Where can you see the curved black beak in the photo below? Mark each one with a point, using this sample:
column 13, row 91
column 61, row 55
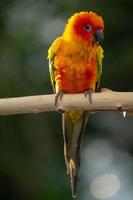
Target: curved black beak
column 98, row 35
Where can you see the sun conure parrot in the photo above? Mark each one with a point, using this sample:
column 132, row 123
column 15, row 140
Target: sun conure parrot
column 75, row 66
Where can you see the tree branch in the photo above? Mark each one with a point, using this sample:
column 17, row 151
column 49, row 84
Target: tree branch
column 106, row 100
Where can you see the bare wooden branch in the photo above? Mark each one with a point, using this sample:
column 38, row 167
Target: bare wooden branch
column 106, row 100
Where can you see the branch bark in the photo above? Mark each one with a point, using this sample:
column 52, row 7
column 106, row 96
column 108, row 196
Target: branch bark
column 106, row 100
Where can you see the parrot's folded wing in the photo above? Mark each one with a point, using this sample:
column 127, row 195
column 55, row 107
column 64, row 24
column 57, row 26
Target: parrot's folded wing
column 51, row 55
column 99, row 54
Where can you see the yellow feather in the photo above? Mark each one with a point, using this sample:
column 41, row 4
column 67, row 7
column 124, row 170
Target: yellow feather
column 54, row 47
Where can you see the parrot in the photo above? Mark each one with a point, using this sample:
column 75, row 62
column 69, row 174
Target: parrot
column 75, row 66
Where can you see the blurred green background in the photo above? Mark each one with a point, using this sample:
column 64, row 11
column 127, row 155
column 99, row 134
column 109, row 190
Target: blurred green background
column 31, row 146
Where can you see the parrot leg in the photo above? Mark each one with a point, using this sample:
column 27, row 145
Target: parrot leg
column 58, row 96
column 89, row 94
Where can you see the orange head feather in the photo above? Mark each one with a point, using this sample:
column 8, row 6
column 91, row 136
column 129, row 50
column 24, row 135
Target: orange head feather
column 83, row 25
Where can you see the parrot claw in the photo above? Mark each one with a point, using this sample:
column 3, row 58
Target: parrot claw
column 58, row 96
column 89, row 94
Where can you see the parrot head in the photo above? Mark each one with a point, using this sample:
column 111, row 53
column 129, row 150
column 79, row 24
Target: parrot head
column 86, row 26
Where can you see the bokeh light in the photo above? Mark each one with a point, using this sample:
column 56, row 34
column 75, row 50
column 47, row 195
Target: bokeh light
column 107, row 171
column 105, row 186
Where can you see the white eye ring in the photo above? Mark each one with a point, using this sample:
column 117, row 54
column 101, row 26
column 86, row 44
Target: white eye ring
column 88, row 27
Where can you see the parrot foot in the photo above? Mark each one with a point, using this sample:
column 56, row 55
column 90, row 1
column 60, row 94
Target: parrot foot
column 89, row 94
column 58, row 96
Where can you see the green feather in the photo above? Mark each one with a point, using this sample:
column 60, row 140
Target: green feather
column 99, row 54
column 51, row 71
column 51, row 55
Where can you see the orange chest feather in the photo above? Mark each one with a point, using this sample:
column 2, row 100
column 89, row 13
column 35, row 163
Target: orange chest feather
column 76, row 71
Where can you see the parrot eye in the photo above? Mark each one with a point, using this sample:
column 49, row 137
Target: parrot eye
column 88, row 27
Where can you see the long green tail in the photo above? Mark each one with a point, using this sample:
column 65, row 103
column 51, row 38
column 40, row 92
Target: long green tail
column 73, row 129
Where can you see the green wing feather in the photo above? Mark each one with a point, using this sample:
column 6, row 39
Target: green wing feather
column 99, row 53
column 51, row 55
column 51, row 72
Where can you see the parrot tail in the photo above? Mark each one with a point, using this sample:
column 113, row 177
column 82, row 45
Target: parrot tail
column 73, row 124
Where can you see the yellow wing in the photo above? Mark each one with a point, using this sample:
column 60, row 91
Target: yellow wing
column 99, row 53
column 51, row 54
